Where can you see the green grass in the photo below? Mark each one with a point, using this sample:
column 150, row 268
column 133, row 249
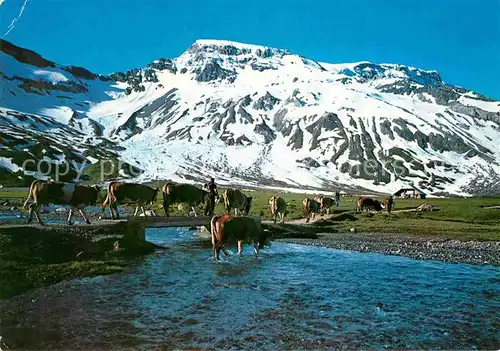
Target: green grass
column 17, row 194
column 458, row 218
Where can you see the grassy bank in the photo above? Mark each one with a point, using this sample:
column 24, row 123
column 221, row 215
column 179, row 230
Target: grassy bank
column 32, row 257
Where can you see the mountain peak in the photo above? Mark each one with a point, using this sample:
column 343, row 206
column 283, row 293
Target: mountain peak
column 230, row 48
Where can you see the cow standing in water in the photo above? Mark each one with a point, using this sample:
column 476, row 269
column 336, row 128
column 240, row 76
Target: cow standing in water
column 183, row 193
column 243, row 229
column 48, row 192
column 278, row 208
column 236, row 199
column 119, row 192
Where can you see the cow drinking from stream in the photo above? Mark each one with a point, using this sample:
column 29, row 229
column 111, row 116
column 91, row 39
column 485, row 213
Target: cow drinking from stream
column 242, row 229
column 49, row 192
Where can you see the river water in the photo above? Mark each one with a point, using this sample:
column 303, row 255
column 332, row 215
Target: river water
column 291, row 297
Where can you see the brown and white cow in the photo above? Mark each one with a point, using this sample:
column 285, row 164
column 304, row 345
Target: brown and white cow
column 367, row 203
column 324, row 202
column 49, row 192
column 183, row 193
column 310, row 207
column 278, row 208
column 234, row 198
column 242, row 229
column 119, row 192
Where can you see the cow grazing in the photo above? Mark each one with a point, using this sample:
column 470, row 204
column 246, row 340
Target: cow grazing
column 325, row 203
column 236, row 199
column 278, row 208
column 119, row 192
column 49, row 192
column 183, row 193
column 310, row 207
column 242, row 229
column 367, row 203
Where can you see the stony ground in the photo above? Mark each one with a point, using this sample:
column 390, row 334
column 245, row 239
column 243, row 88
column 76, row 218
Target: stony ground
column 426, row 248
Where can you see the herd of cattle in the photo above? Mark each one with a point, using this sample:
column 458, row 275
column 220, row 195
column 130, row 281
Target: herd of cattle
column 241, row 228
column 79, row 196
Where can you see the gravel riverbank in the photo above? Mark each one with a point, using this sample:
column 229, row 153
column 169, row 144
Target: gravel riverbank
column 473, row 252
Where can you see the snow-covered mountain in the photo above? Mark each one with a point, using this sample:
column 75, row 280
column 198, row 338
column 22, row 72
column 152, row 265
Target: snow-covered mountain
column 254, row 116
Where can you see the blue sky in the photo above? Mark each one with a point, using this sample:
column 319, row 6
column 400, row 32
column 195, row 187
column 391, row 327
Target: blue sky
column 458, row 38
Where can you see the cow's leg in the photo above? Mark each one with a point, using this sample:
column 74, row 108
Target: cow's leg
column 217, row 252
column 136, row 211
column 103, row 206
column 274, row 218
column 70, row 215
column 256, row 249
column 38, row 216
column 30, row 213
column 240, row 247
column 84, row 216
column 35, row 208
column 166, row 204
column 194, row 211
column 117, row 212
column 143, row 212
column 224, row 251
column 111, row 207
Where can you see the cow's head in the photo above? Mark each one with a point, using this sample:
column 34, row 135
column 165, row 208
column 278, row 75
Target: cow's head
column 377, row 205
column 248, row 204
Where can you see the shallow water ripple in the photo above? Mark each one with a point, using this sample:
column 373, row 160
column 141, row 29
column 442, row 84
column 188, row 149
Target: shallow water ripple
column 293, row 296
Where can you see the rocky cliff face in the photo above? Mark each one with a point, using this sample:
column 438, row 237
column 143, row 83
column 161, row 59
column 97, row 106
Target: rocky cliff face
column 255, row 115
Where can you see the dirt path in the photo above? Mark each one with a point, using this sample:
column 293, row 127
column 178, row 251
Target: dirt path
column 302, row 221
